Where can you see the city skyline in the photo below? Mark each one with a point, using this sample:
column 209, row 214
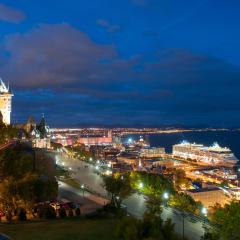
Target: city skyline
column 132, row 63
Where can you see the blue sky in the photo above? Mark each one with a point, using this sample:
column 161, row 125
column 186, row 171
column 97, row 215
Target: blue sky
column 126, row 63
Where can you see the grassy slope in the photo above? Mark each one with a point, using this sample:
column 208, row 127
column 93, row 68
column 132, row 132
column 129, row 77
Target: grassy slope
column 61, row 230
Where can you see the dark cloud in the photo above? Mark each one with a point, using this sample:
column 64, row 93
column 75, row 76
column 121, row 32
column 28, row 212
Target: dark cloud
column 53, row 56
column 12, row 15
column 108, row 26
column 59, row 70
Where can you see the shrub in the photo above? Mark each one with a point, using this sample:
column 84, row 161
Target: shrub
column 21, row 214
column 47, row 212
column 9, row 216
column 62, row 213
column 70, row 213
column 78, row 212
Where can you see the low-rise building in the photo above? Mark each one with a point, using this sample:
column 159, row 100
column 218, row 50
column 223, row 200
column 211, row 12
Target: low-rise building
column 209, row 196
column 38, row 134
column 152, row 152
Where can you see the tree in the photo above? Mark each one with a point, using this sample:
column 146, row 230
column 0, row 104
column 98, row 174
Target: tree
column 152, row 184
column 228, row 218
column 128, row 229
column 185, row 202
column 154, row 205
column 7, row 133
column 150, row 227
column 118, row 188
column 181, row 179
column 21, row 184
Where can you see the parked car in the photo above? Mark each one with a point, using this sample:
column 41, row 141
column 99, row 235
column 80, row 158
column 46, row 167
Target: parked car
column 4, row 237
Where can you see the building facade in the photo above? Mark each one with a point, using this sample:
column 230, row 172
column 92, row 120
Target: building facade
column 5, row 103
column 38, row 133
column 152, row 152
column 209, row 196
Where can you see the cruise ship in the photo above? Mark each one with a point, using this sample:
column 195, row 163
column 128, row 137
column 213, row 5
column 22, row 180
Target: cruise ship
column 214, row 154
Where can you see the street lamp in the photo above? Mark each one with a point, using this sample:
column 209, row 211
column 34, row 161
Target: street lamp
column 82, row 187
column 204, row 211
column 183, row 224
column 166, row 196
column 140, row 185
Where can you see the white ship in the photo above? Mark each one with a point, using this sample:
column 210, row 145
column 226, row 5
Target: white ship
column 213, row 154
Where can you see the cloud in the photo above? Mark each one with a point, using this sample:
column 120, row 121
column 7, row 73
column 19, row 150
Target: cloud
column 53, row 56
column 12, row 15
column 107, row 25
column 57, row 69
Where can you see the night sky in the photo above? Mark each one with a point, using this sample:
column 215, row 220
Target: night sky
column 123, row 63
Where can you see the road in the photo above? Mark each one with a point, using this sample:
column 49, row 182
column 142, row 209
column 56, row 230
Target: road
column 87, row 202
column 86, row 174
column 6, row 145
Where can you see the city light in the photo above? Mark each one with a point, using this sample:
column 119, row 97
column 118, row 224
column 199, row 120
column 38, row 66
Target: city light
column 98, row 161
column 90, row 159
column 204, row 211
column 97, row 167
column 166, row 195
column 140, row 185
column 82, row 186
column 130, row 140
column 108, row 172
column 109, row 165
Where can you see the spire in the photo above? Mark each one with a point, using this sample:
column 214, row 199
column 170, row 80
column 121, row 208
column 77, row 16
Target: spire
column 3, row 88
column 31, row 120
column 42, row 127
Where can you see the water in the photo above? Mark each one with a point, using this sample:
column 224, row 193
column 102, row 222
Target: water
column 230, row 139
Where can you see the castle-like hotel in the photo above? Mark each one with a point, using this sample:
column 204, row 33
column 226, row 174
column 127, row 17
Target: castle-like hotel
column 37, row 134
column 5, row 103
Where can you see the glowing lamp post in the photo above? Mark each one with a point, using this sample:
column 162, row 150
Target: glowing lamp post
column 140, row 185
column 82, row 187
column 204, row 211
column 165, row 198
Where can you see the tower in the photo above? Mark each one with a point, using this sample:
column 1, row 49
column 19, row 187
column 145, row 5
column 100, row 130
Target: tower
column 5, row 102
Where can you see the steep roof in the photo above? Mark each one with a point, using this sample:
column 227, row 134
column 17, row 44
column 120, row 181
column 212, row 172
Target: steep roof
column 3, row 88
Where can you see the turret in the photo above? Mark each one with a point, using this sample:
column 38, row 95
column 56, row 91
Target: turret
column 5, row 102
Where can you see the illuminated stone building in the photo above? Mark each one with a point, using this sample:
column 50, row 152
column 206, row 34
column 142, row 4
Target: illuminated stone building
column 96, row 140
column 5, row 103
column 152, row 152
column 209, row 196
column 38, row 133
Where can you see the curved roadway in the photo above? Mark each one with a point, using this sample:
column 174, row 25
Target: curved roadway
column 87, row 175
